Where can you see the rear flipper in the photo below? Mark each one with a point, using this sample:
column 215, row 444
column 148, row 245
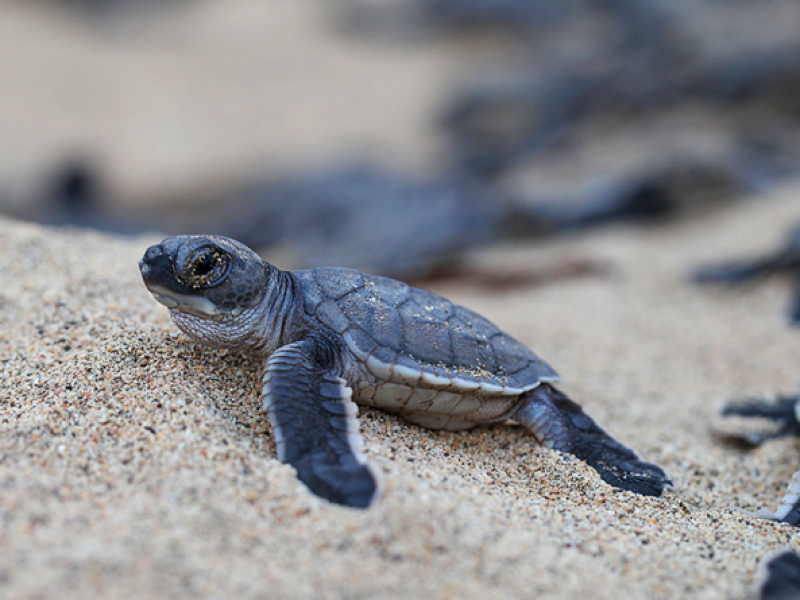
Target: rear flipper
column 782, row 412
column 560, row 424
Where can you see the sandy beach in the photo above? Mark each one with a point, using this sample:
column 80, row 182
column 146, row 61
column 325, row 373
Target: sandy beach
column 137, row 464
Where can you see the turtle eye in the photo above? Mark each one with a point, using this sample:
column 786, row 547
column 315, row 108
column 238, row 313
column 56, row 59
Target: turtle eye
column 206, row 267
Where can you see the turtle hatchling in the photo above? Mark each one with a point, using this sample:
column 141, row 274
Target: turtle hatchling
column 783, row 414
column 333, row 337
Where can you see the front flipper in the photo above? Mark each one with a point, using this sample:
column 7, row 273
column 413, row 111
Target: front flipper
column 315, row 424
column 560, row 424
column 782, row 412
column 734, row 273
column 788, row 510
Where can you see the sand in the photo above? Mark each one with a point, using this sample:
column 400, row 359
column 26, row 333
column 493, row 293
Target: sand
column 137, row 464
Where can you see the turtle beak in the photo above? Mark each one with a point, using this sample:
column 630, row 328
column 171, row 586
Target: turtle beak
column 144, row 269
column 152, row 266
column 148, row 263
column 157, row 272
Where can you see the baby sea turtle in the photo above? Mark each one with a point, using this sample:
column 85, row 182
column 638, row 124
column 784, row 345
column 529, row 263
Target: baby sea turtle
column 782, row 261
column 331, row 336
column 784, row 414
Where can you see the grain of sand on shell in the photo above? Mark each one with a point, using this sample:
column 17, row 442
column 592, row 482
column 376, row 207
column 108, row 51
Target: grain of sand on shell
column 138, row 464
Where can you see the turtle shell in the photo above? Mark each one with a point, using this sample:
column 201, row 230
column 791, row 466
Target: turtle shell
column 418, row 338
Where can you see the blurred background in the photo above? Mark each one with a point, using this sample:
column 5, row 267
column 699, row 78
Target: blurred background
column 393, row 135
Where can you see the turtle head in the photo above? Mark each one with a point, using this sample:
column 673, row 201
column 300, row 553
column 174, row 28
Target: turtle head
column 214, row 286
column 208, row 276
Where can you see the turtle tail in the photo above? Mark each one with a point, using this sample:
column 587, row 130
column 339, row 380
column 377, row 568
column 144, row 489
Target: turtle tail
column 560, row 424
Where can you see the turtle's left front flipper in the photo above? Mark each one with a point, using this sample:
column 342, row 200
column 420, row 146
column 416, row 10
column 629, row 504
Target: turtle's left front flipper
column 560, row 424
column 315, row 425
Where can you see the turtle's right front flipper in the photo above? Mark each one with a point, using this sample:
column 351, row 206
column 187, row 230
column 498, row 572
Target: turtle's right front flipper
column 560, row 424
column 315, row 425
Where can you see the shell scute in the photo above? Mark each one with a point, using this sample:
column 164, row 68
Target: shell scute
column 430, row 306
column 421, row 399
column 391, row 292
column 336, row 283
column 429, row 341
column 394, row 395
column 385, row 355
column 375, row 316
column 475, row 324
column 407, row 371
column 360, row 343
column 329, row 313
column 312, row 296
column 510, row 353
column 475, row 351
